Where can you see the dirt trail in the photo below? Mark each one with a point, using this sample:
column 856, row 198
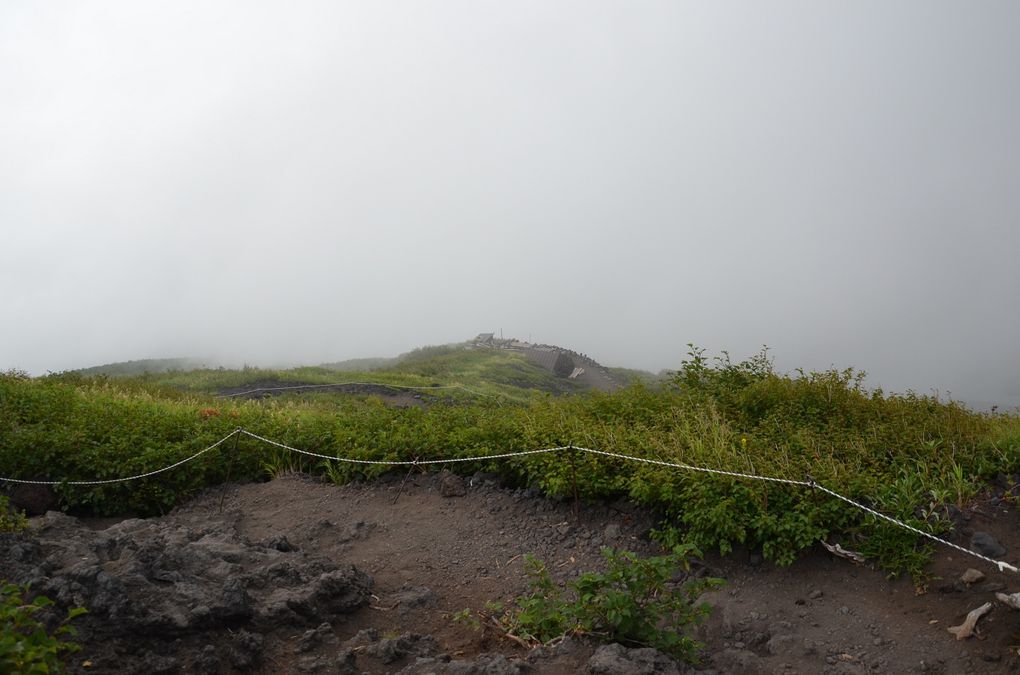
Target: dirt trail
column 440, row 543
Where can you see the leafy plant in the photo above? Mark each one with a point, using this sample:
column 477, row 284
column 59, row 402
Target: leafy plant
column 467, row 617
column 11, row 520
column 636, row 601
column 26, row 646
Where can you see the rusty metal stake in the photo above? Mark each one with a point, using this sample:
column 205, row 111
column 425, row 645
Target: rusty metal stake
column 404, row 482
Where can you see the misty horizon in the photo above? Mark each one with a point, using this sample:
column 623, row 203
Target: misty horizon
column 280, row 185
column 714, row 357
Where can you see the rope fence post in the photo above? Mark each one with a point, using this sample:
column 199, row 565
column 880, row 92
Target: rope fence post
column 400, row 490
column 572, row 455
column 230, row 466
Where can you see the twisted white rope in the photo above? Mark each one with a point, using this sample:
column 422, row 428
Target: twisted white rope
column 127, row 478
column 689, row 467
column 404, row 462
column 1001, row 565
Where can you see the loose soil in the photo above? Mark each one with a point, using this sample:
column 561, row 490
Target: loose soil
column 435, row 544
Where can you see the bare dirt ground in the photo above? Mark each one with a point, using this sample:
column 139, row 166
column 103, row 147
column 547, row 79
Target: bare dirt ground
column 291, row 559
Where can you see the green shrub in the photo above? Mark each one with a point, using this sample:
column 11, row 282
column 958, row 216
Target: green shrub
column 10, row 519
column 26, row 646
column 634, row 602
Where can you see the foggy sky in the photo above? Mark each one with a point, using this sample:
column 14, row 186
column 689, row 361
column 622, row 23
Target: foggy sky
column 313, row 181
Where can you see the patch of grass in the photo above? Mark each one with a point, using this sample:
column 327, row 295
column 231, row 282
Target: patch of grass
column 1002, row 445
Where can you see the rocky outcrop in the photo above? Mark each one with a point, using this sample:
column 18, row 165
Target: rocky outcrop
column 615, row 659
column 150, row 583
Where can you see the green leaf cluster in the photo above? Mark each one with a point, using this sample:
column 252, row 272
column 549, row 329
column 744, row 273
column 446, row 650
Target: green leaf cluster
column 26, row 646
column 11, row 520
column 636, row 602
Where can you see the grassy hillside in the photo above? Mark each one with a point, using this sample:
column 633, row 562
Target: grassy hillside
column 909, row 456
column 490, row 372
column 359, row 365
column 132, row 368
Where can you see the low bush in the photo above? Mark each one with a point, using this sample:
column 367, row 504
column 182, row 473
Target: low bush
column 11, row 520
column 635, row 602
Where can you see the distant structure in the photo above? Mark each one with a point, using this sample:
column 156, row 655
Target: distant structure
column 566, row 363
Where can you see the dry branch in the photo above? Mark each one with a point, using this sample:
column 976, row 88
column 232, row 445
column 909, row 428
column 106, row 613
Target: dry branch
column 838, row 550
column 1011, row 600
column 966, row 629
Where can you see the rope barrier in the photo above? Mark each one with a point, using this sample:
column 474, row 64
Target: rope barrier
column 1001, row 564
column 689, row 467
column 122, row 480
column 404, row 462
column 812, row 484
